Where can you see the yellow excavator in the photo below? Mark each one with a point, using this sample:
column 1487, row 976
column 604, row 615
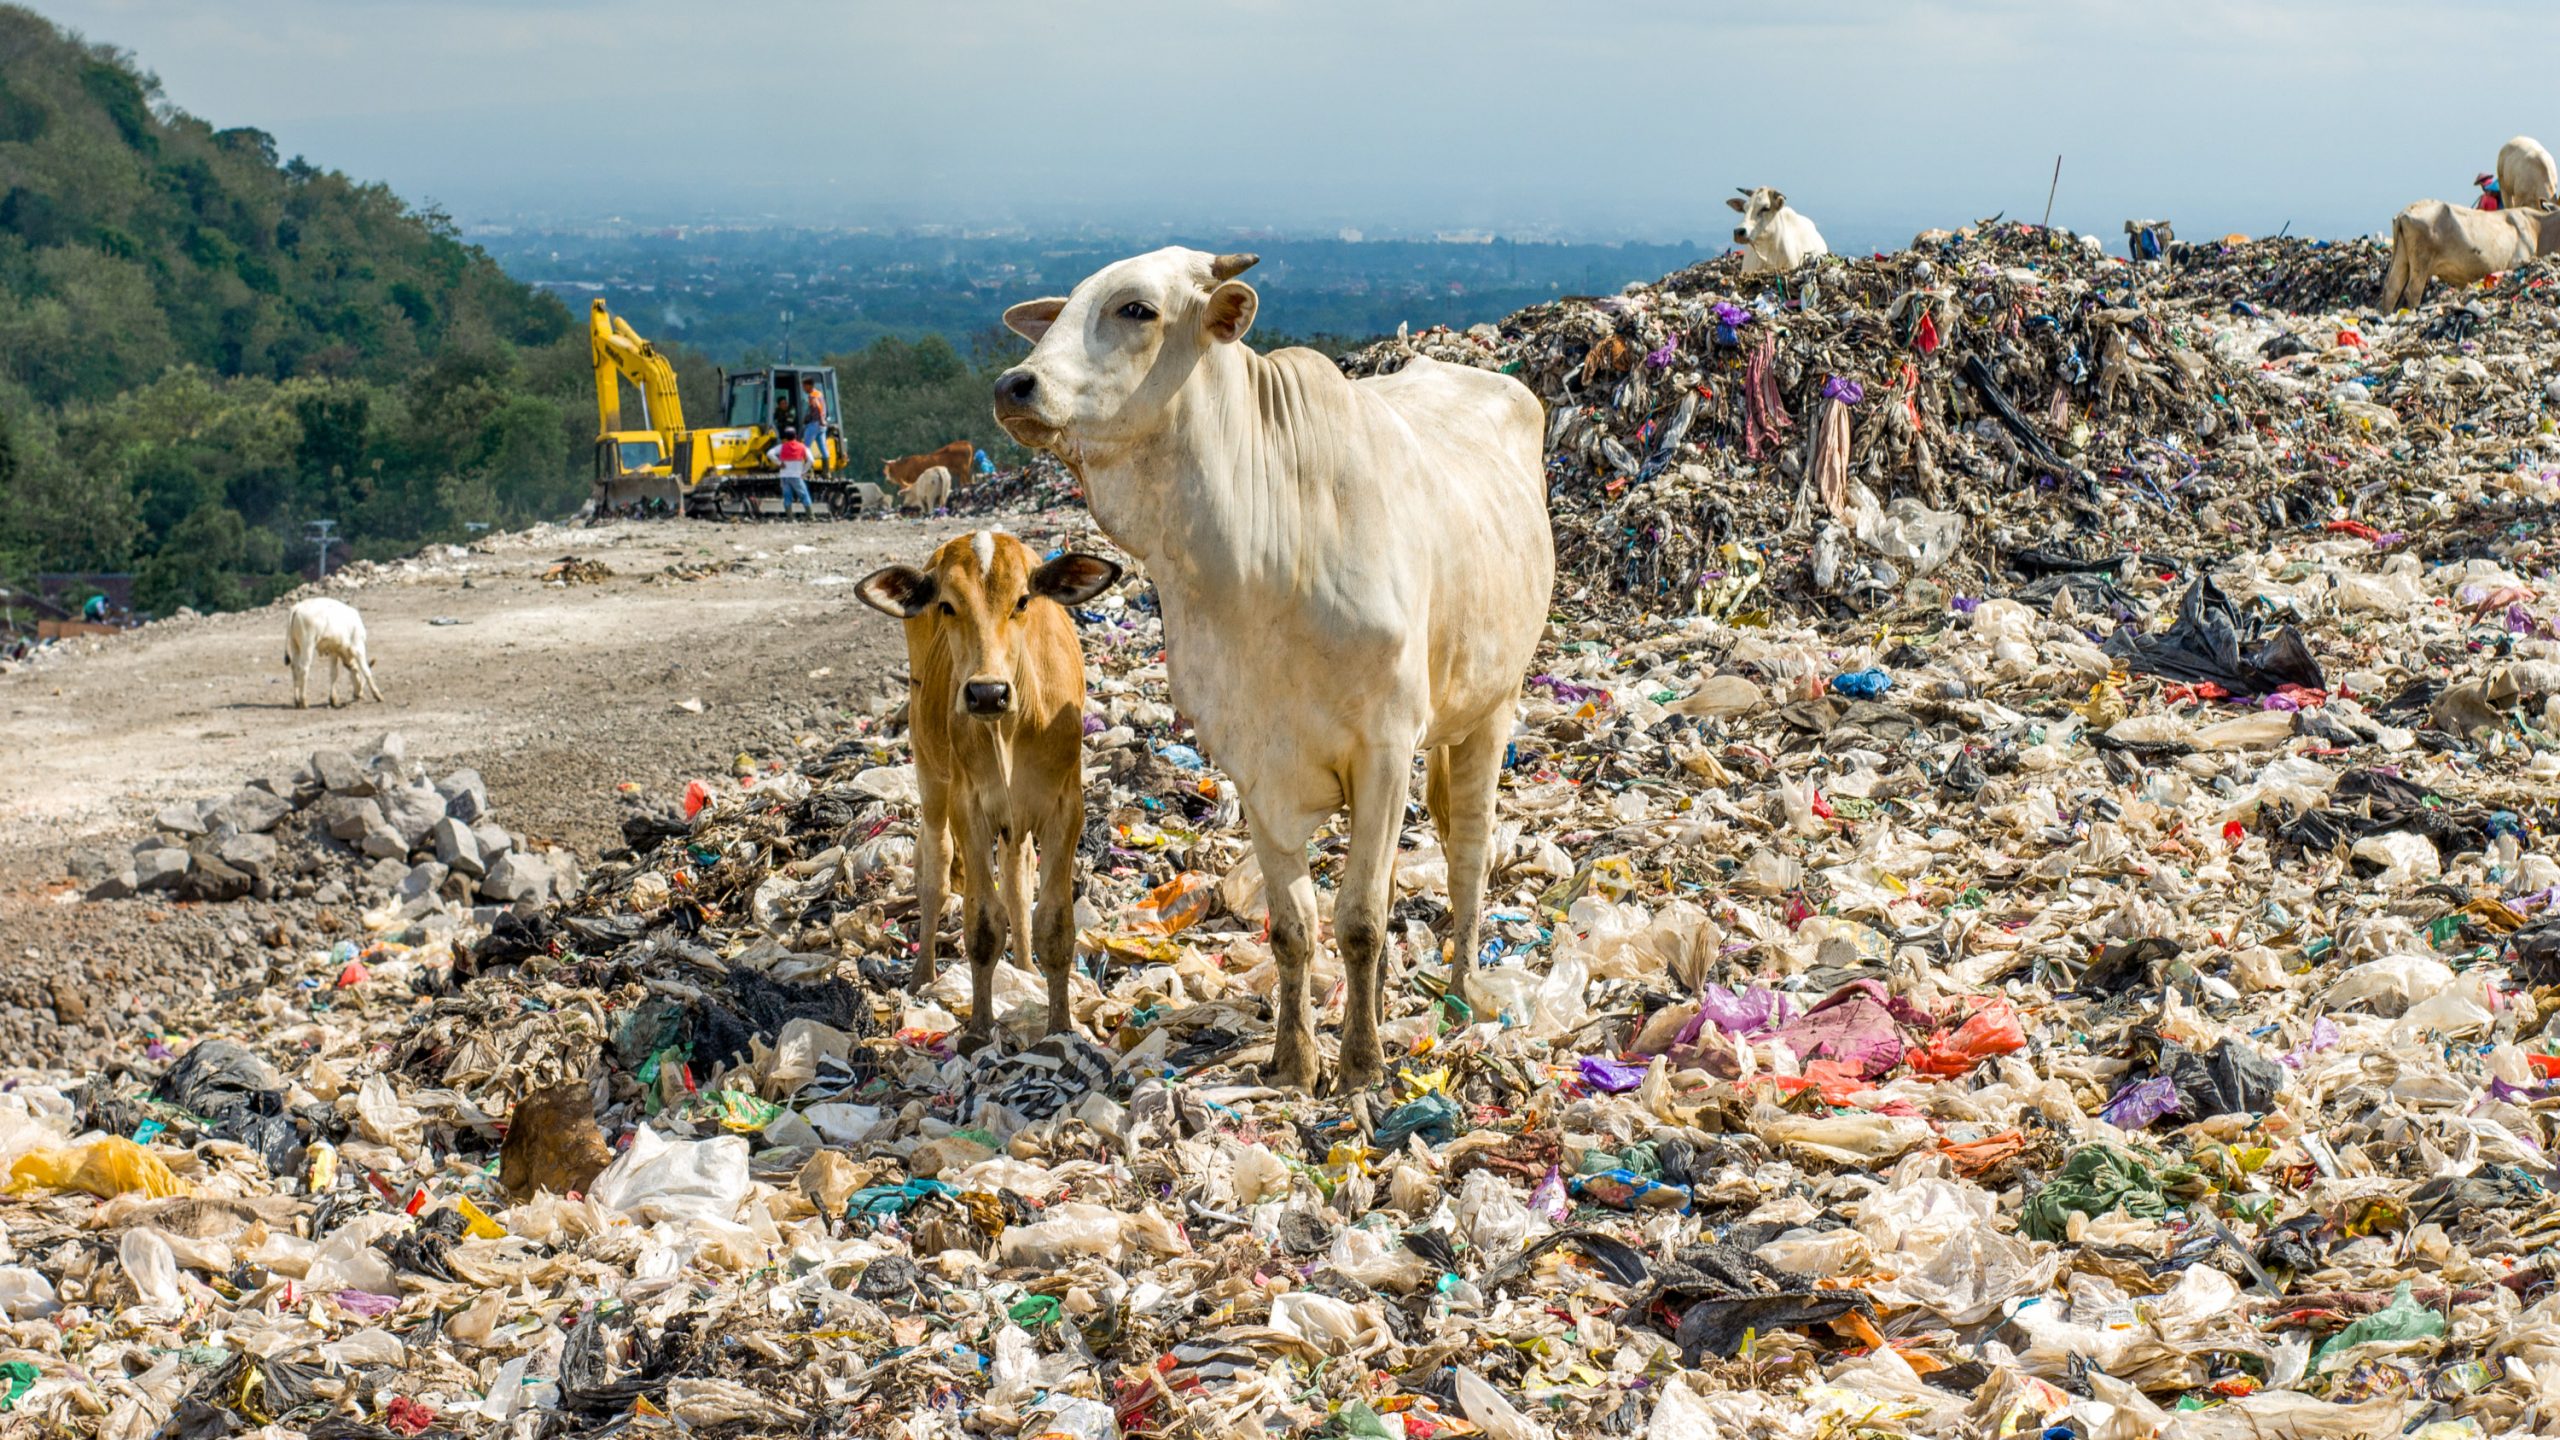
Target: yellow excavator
column 664, row 466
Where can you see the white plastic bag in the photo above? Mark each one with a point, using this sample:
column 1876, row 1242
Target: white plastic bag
column 1492, row 1414
column 682, row 1180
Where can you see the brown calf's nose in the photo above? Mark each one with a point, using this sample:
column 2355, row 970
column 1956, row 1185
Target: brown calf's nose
column 987, row 697
column 1015, row 387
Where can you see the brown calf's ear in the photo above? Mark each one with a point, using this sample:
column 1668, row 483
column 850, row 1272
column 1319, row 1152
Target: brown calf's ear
column 898, row 591
column 1736, row 203
column 1074, row 578
column 1231, row 310
column 1032, row 318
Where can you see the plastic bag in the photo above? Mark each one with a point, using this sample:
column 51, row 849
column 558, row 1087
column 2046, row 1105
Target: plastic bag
column 1489, row 1412
column 2209, row 643
column 683, row 1180
column 1991, row 1029
column 1680, row 1415
column 152, row 1269
column 1063, row 1231
column 1177, row 904
column 104, row 1168
column 25, row 1294
column 1329, row 1324
column 2403, row 1319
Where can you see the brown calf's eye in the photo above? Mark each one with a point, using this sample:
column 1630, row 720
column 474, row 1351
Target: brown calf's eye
column 947, row 610
column 1022, row 604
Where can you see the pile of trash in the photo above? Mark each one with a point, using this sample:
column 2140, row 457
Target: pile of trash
column 335, row 830
column 2006, row 404
column 2115, row 997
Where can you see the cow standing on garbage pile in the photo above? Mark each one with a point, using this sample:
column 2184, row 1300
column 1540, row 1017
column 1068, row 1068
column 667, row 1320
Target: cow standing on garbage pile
column 1348, row 572
column 324, row 629
column 995, row 708
column 953, row 459
column 2432, row 240
column 1775, row 238
column 2527, row 176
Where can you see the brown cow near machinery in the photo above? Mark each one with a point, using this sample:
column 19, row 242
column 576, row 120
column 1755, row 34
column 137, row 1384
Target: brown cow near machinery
column 995, row 709
column 955, row 457
column 2432, row 240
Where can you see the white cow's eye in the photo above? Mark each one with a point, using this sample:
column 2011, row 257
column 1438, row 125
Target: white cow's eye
column 1138, row 310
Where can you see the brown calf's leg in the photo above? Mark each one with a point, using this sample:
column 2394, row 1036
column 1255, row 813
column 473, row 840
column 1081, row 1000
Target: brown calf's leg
column 1013, row 880
column 982, row 916
column 1054, row 933
column 933, row 877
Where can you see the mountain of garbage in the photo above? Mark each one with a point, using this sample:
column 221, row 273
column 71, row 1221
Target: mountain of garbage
column 2032, row 916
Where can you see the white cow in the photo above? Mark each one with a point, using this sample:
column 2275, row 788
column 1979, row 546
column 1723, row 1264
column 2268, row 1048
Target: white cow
column 931, row 491
column 1777, row 238
column 2527, row 176
column 322, row 628
column 1348, row 573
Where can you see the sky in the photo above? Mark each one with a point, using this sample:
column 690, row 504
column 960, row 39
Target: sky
column 1585, row 118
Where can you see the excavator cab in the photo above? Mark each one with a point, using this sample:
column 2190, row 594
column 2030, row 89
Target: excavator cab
column 768, row 400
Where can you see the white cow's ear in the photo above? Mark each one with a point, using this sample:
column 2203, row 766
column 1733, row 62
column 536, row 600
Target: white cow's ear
column 1231, row 310
column 1032, row 318
column 899, row 591
column 1736, row 203
column 1074, row 578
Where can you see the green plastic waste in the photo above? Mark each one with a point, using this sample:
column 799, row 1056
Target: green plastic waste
column 1033, row 1311
column 2402, row 1319
column 894, row 1199
column 21, row 1377
column 2096, row 1180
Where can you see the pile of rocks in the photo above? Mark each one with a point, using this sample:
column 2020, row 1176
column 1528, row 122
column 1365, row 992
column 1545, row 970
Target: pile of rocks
column 336, row 829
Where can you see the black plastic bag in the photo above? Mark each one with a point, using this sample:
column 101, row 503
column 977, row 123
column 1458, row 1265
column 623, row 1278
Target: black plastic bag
column 2209, row 643
column 2232, row 1080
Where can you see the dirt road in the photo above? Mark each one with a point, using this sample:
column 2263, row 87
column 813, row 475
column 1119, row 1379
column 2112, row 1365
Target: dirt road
column 556, row 693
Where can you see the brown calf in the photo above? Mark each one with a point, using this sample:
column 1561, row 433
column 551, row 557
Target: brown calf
column 995, row 706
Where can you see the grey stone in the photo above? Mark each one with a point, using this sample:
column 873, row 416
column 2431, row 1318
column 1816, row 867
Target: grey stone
column 253, row 853
column 386, row 873
column 340, row 774
column 413, row 810
column 252, row 811
column 394, row 748
column 347, row 817
column 294, row 785
column 466, row 795
column 333, row 893
column 517, row 878
column 159, row 869
column 180, row 819
column 493, row 841
column 91, row 866
column 457, row 848
column 116, row 887
column 212, row 880
column 381, row 842
column 422, row 879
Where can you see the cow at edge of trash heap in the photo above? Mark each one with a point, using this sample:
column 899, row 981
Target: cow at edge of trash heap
column 1349, row 572
column 996, row 709
column 1775, row 239
column 2432, row 240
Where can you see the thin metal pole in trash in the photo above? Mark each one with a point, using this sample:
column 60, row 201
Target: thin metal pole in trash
column 2049, row 193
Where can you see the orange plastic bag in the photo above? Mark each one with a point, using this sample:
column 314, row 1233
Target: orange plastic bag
column 1973, row 1157
column 1992, row 1029
column 105, row 1168
column 1177, row 904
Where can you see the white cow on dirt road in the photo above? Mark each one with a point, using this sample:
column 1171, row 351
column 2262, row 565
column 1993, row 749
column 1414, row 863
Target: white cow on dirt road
column 930, row 492
column 324, row 629
column 2527, row 175
column 1777, row 239
column 1350, row 572
column 2432, row 240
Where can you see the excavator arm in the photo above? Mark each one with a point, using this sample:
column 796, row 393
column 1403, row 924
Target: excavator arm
column 619, row 351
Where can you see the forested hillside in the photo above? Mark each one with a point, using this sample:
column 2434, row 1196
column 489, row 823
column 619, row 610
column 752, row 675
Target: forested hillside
column 204, row 346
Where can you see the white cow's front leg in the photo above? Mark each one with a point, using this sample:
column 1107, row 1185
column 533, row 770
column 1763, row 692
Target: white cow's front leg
column 1280, row 844
column 1378, row 788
